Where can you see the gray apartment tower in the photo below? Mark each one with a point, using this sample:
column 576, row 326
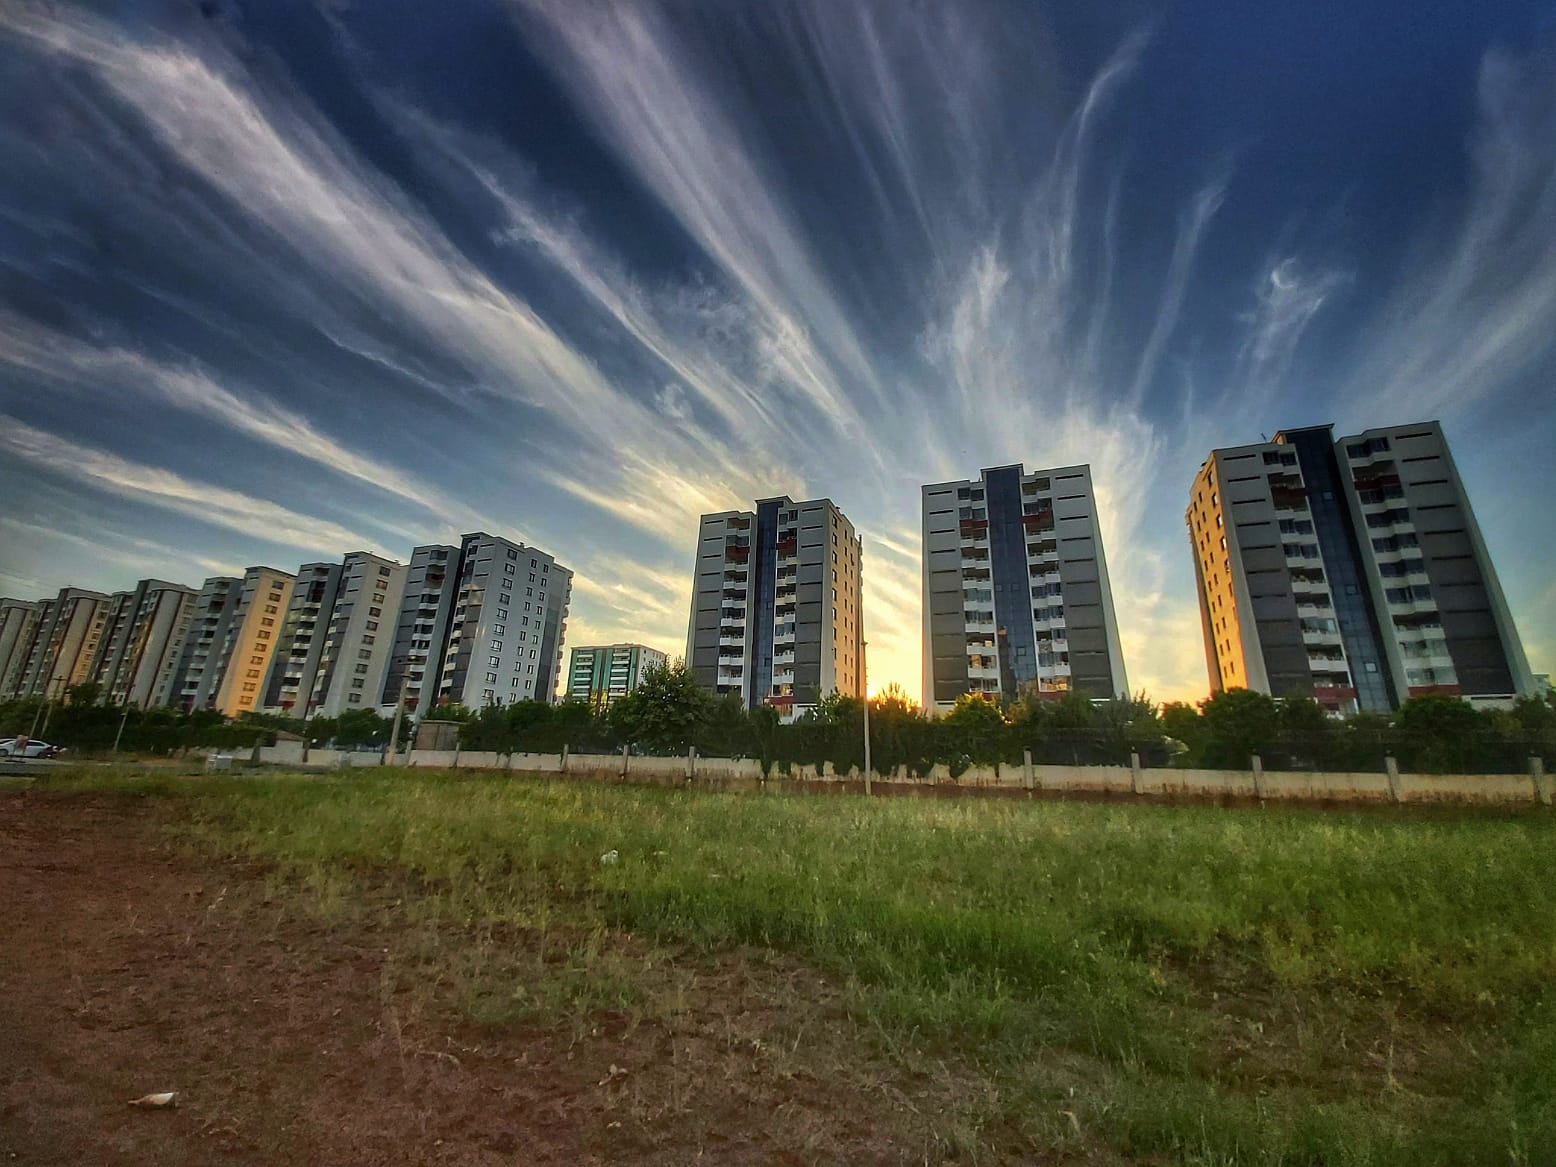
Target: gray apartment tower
column 479, row 624
column 1349, row 570
column 777, row 613
column 139, row 647
column 65, row 642
column 1016, row 594
column 336, row 638
column 18, row 629
column 232, row 635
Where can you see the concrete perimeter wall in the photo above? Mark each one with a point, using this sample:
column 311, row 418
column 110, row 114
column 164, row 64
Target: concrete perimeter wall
column 1003, row 780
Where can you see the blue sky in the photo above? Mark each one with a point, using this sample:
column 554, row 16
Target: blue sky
column 282, row 280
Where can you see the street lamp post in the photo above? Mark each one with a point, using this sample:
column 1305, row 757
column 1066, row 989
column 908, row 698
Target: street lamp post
column 864, row 678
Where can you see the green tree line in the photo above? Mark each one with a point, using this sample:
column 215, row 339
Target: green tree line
column 670, row 714
column 84, row 724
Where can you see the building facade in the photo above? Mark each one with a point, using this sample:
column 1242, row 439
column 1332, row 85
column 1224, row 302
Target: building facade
column 360, row 637
column 18, row 630
column 777, row 611
column 600, row 674
column 143, row 635
column 480, row 624
column 1351, row 571
column 65, row 644
column 421, row 628
column 232, row 636
column 1017, row 600
column 294, row 665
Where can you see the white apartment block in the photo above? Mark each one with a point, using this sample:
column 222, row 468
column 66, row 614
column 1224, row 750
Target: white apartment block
column 506, row 628
column 1017, row 601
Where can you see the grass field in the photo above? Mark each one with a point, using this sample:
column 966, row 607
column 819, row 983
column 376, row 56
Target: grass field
column 1179, row 984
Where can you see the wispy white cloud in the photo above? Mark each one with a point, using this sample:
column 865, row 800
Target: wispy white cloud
column 1475, row 307
column 201, row 501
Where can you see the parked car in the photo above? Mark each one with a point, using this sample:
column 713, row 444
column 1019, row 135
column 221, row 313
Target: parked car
column 33, row 749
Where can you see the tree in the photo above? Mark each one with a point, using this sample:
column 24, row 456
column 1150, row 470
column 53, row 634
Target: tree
column 1239, row 723
column 1307, row 731
column 664, row 713
column 1182, row 722
column 974, row 731
column 1439, row 733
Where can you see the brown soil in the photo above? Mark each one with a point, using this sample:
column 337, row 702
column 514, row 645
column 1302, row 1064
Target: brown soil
column 129, row 965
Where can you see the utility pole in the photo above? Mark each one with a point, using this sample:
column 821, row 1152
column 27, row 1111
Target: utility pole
column 48, row 708
column 118, row 737
column 399, row 712
column 864, row 678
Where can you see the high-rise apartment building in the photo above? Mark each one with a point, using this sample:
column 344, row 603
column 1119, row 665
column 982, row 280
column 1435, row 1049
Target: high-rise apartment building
column 480, row 624
column 232, row 636
column 600, row 674
column 294, row 665
column 65, row 644
column 360, row 636
column 1351, row 571
column 142, row 636
column 18, row 630
column 777, row 613
column 337, row 611
column 1016, row 594
column 421, row 629
column 195, row 672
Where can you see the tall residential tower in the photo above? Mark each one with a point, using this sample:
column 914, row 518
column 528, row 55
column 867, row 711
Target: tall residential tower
column 777, row 614
column 1349, row 570
column 1016, row 595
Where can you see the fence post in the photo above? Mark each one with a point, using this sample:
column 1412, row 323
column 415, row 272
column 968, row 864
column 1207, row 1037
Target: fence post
column 1542, row 790
column 625, row 755
column 562, row 765
column 1392, row 764
column 456, row 756
column 1258, row 776
column 691, row 763
column 1136, row 779
column 1026, row 768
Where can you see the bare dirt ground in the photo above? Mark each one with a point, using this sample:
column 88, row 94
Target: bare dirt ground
column 130, row 965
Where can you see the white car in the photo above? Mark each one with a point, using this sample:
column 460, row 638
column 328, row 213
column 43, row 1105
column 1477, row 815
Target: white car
column 33, row 749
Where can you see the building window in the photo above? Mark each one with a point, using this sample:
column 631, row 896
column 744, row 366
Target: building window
column 494, row 662
column 368, row 638
column 491, row 678
column 529, row 591
column 375, row 612
column 532, row 563
column 361, row 669
column 357, row 682
column 508, row 569
column 372, row 625
column 270, row 609
column 354, row 698
column 532, row 577
column 502, row 613
column 496, row 646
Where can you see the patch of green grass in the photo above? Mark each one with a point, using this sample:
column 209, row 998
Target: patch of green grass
column 1201, row 985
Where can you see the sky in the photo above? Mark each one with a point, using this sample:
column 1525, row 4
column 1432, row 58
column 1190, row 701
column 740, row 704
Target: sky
column 282, row 280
